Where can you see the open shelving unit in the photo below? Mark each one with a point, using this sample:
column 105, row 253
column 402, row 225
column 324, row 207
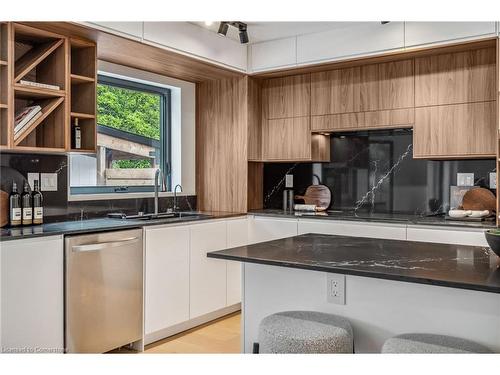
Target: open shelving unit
column 4, row 85
column 83, row 78
column 41, row 57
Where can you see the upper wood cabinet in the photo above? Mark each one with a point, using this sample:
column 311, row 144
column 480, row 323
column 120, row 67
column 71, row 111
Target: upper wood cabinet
column 455, row 131
column 287, row 139
column 363, row 88
column 461, row 77
column 287, row 97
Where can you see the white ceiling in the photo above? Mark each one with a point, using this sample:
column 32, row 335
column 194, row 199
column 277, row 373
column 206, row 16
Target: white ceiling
column 262, row 31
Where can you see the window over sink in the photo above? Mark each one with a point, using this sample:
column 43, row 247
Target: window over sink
column 133, row 139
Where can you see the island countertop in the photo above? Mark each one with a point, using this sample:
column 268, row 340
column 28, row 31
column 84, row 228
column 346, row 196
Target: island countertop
column 457, row 266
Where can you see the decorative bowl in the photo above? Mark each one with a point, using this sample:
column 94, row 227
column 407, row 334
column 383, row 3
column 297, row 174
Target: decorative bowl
column 493, row 238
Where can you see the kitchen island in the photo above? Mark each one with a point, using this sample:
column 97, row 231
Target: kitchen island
column 387, row 287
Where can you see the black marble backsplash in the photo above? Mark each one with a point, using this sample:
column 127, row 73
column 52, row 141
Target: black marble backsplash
column 375, row 172
column 57, row 207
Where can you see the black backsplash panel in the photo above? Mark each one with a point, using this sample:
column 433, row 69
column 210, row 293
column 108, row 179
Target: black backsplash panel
column 374, row 172
column 15, row 167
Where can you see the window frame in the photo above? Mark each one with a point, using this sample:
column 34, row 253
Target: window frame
column 165, row 137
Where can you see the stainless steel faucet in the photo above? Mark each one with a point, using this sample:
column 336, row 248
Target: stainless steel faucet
column 158, row 173
column 175, row 196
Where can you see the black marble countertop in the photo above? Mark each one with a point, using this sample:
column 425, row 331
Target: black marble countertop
column 374, row 217
column 456, row 266
column 103, row 224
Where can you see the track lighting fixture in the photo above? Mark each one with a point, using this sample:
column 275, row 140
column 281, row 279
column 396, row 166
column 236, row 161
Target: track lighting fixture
column 384, row 22
column 223, row 27
column 242, row 29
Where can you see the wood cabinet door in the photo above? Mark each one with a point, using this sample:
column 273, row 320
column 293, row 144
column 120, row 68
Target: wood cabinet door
column 166, row 278
column 453, row 78
column 454, row 131
column 366, row 88
column 207, row 275
column 287, row 139
column 287, row 97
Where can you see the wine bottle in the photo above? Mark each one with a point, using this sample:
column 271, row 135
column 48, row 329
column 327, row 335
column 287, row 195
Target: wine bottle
column 77, row 136
column 27, row 216
column 37, row 199
column 15, row 206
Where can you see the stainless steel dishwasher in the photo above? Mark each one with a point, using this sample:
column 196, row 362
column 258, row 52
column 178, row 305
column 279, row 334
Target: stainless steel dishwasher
column 103, row 291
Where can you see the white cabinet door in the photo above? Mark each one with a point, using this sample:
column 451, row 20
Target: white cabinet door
column 359, row 39
column 207, row 276
column 458, row 236
column 166, row 277
column 32, row 318
column 272, row 54
column 197, row 41
column 262, row 229
column 129, row 29
column 419, row 33
column 355, row 229
column 237, row 235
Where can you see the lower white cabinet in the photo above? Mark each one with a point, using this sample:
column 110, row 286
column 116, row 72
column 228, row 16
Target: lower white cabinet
column 458, row 236
column 166, row 277
column 207, row 292
column 351, row 228
column 32, row 296
column 237, row 235
column 261, row 229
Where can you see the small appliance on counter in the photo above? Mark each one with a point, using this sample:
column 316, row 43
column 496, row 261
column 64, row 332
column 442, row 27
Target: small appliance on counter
column 288, row 195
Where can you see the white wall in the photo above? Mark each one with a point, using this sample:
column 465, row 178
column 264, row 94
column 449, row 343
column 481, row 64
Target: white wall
column 183, row 129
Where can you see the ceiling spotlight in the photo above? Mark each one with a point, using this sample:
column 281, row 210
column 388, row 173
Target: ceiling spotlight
column 223, row 27
column 208, row 23
column 242, row 29
column 243, row 33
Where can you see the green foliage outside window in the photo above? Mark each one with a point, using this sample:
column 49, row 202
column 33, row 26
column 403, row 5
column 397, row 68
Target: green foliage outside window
column 128, row 110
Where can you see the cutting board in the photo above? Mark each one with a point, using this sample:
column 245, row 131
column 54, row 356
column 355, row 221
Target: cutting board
column 4, row 208
column 318, row 195
column 479, row 199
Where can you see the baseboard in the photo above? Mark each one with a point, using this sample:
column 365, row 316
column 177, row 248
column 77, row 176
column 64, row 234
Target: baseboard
column 184, row 326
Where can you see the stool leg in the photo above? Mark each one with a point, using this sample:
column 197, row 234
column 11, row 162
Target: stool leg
column 255, row 349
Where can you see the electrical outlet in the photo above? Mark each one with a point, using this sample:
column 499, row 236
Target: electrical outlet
column 289, row 181
column 493, row 180
column 32, row 177
column 335, row 288
column 48, row 181
column 465, row 179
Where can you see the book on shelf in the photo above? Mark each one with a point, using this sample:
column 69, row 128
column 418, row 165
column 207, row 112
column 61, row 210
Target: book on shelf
column 26, row 126
column 25, row 116
column 41, row 85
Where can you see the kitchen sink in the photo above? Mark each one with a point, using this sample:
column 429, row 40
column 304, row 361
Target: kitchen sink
column 158, row 216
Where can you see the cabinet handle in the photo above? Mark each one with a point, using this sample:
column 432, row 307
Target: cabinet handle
column 104, row 245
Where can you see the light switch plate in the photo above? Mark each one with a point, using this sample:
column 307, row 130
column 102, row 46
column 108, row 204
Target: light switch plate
column 465, row 179
column 335, row 288
column 48, row 181
column 289, row 181
column 493, row 180
column 32, row 177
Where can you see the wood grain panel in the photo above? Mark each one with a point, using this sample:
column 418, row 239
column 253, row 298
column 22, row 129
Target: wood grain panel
column 287, row 139
column 320, row 147
column 454, row 131
column 254, row 119
column 364, row 120
column 255, row 185
column 287, row 97
column 361, row 89
column 221, row 145
column 453, row 78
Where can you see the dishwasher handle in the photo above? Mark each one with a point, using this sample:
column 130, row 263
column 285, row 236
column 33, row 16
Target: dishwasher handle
column 104, row 245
